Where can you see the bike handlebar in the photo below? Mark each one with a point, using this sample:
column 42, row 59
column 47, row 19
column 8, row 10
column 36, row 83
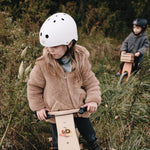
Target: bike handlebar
column 48, row 115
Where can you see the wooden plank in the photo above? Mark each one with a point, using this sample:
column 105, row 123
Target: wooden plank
column 67, row 138
column 126, row 60
column 128, row 57
column 65, row 112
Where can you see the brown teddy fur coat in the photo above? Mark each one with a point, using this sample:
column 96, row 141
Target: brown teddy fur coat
column 45, row 90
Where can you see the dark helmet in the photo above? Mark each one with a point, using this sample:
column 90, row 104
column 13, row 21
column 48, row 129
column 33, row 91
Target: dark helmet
column 141, row 22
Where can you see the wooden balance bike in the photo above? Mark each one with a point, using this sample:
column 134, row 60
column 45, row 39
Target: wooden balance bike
column 128, row 60
column 67, row 137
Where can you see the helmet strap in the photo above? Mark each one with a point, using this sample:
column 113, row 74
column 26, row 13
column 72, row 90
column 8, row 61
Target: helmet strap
column 138, row 33
column 67, row 51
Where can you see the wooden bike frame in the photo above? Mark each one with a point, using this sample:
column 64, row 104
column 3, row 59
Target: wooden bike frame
column 67, row 137
column 128, row 60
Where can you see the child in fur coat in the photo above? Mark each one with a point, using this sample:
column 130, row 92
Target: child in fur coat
column 62, row 78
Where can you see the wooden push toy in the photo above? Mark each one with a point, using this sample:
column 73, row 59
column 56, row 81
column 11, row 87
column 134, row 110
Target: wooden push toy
column 128, row 60
column 67, row 137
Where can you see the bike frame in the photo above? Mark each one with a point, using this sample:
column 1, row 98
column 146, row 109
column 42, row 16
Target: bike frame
column 128, row 60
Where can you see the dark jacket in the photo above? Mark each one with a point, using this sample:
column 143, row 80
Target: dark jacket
column 133, row 44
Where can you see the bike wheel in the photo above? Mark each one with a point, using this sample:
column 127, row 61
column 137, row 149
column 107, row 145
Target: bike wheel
column 122, row 77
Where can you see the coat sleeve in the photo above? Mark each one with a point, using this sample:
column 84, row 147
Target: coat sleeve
column 90, row 83
column 35, row 87
column 145, row 46
column 124, row 46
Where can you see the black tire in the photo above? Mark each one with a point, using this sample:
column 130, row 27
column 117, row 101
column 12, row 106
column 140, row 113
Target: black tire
column 122, row 76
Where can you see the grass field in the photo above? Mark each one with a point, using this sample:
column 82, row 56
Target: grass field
column 122, row 120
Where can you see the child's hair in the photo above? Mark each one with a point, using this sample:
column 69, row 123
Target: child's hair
column 54, row 67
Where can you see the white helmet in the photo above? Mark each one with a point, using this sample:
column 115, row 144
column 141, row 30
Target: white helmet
column 58, row 29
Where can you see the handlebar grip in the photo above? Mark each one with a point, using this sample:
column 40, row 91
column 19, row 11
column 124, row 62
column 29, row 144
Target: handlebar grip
column 82, row 110
column 48, row 116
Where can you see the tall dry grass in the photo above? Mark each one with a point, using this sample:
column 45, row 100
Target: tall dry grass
column 121, row 121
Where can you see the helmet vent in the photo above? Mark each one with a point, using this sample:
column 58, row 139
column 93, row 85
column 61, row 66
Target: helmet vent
column 62, row 19
column 54, row 21
column 47, row 36
column 41, row 34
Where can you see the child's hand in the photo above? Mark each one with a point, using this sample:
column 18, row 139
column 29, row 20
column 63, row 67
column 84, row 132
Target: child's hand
column 123, row 52
column 91, row 107
column 41, row 114
column 137, row 54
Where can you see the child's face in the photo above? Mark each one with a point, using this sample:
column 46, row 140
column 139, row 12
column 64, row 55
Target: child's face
column 137, row 29
column 57, row 51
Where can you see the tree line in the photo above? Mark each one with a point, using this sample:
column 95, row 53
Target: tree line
column 113, row 17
